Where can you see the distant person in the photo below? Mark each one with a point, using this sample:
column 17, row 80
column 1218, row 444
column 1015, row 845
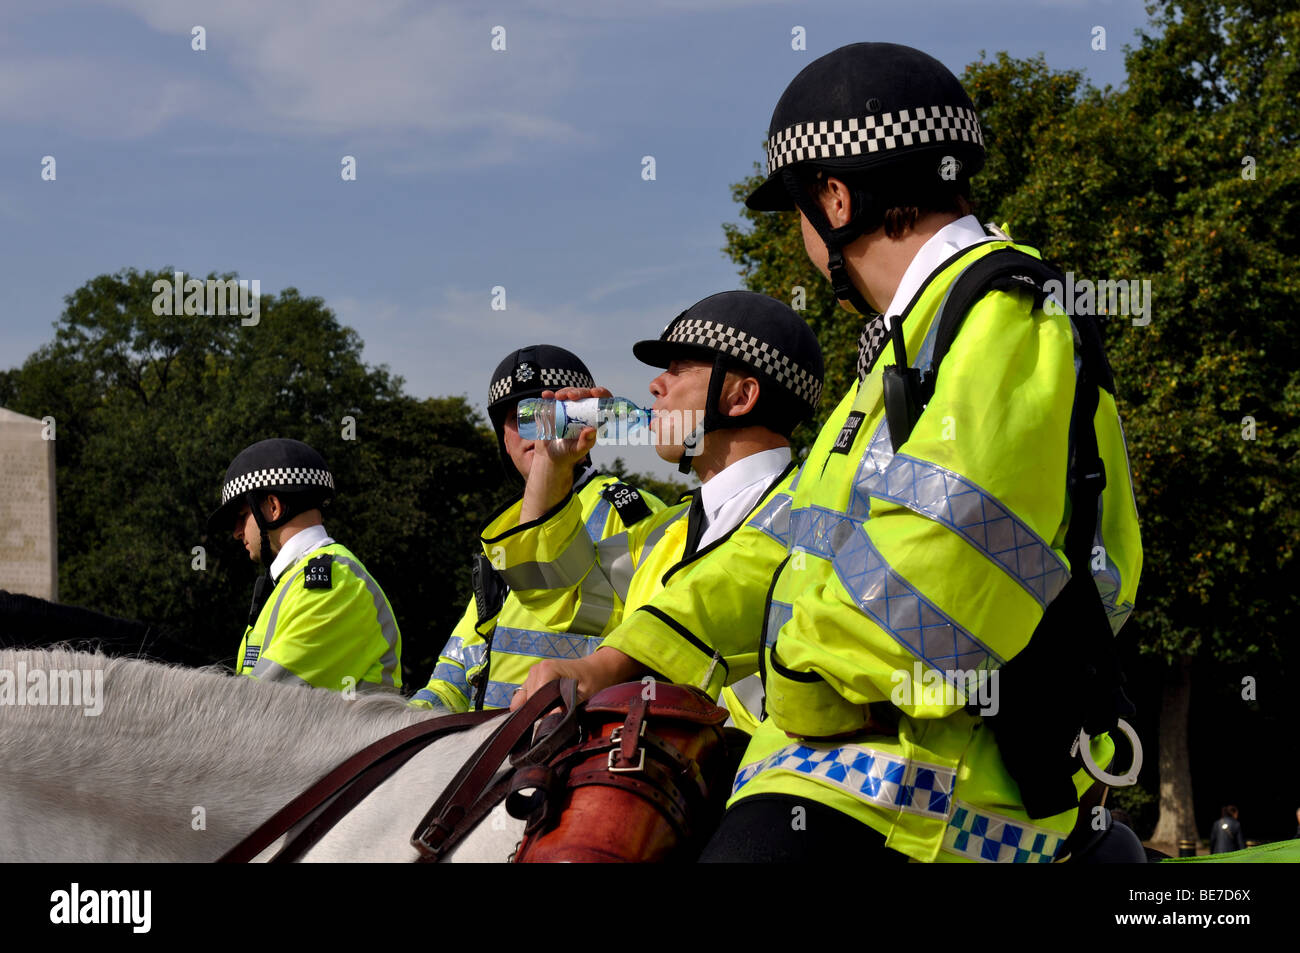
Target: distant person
column 1297, row 822
column 1226, row 835
column 317, row 618
column 497, row 641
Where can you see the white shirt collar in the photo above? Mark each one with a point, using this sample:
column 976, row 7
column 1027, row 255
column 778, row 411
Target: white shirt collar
column 942, row 245
column 297, row 546
column 733, row 480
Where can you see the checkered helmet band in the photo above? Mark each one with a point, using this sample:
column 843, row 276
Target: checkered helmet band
column 553, row 378
column 281, row 478
column 839, row 138
column 745, row 347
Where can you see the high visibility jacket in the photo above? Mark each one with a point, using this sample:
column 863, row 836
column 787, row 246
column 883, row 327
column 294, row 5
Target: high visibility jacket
column 503, row 648
column 908, row 570
column 665, row 604
column 326, row 623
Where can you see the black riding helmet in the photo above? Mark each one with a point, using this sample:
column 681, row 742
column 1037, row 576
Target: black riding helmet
column 891, row 121
column 291, row 470
column 288, row 468
column 526, row 373
column 754, row 332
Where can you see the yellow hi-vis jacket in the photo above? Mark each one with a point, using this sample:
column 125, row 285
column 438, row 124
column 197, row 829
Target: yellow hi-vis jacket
column 503, row 648
column 328, row 624
column 694, row 621
column 908, row 570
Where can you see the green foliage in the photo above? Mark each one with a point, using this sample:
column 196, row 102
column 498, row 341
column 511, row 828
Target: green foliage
column 150, row 411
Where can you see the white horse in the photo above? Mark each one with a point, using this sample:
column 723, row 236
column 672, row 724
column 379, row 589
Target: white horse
column 110, row 759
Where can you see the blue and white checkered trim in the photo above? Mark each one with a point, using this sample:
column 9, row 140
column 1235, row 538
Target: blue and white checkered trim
column 992, row 838
column 869, row 775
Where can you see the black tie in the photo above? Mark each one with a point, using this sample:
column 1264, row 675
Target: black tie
column 694, row 524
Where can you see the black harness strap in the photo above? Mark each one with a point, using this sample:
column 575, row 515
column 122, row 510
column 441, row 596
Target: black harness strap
column 1068, row 677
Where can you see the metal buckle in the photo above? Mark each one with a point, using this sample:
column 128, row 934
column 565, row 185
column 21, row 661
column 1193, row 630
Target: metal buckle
column 639, row 766
column 615, row 739
column 1128, row 779
column 616, row 736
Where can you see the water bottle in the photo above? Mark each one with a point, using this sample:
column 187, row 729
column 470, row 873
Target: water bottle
column 549, row 419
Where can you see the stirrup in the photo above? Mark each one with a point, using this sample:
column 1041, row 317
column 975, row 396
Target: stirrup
column 1083, row 745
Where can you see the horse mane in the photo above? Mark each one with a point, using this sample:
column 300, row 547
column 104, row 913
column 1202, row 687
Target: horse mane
column 172, row 739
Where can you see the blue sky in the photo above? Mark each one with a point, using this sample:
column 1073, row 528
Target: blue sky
column 475, row 168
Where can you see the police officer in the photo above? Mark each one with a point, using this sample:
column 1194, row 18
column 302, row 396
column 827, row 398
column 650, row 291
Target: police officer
column 318, row 617
column 740, row 371
column 944, row 524
column 498, row 640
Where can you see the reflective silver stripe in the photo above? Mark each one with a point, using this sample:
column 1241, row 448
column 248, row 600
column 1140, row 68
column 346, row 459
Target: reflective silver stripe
column 596, row 607
column 615, row 554
column 596, row 521
column 275, row 610
column 1107, row 579
column 778, row 614
column 267, row 671
column 887, row 598
column 542, row 645
column 656, row 534
column 966, row 508
column 615, row 557
column 383, row 614
column 565, row 570
column 774, row 518
column 749, row 692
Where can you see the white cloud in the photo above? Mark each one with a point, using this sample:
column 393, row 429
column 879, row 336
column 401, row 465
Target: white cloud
column 379, row 69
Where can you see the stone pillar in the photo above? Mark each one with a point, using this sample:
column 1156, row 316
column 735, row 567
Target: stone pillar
column 29, row 556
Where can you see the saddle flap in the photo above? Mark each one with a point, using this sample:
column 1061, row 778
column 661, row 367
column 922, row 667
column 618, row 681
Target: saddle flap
column 681, row 702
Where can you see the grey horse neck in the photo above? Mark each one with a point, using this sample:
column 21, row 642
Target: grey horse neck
column 178, row 765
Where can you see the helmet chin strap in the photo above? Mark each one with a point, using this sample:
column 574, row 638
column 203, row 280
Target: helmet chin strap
column 866, row 217
column 713, row 418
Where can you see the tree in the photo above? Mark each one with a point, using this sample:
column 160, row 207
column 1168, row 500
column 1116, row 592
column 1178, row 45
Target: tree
column 1189, row 178
column 151, row 409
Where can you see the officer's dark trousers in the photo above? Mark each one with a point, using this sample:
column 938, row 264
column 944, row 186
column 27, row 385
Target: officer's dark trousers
column 769, row 828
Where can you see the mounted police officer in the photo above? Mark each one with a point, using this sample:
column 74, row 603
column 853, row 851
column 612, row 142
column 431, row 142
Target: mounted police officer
column 489, row 653
column 963, row 542
column 740, row 371
column 318, row 617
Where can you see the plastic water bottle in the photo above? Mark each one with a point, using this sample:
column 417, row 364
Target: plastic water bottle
column 549, row 419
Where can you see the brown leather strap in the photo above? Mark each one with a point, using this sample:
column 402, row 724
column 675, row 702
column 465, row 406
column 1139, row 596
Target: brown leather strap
column 458, row 807
column 414, row 736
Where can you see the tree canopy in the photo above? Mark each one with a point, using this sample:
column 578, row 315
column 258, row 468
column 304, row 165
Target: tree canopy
column 150, row 410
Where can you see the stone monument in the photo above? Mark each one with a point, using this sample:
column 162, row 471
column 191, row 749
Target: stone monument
column 29, row 558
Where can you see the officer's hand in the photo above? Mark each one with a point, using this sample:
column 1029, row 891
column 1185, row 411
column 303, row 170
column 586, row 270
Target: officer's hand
column 601, row 669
